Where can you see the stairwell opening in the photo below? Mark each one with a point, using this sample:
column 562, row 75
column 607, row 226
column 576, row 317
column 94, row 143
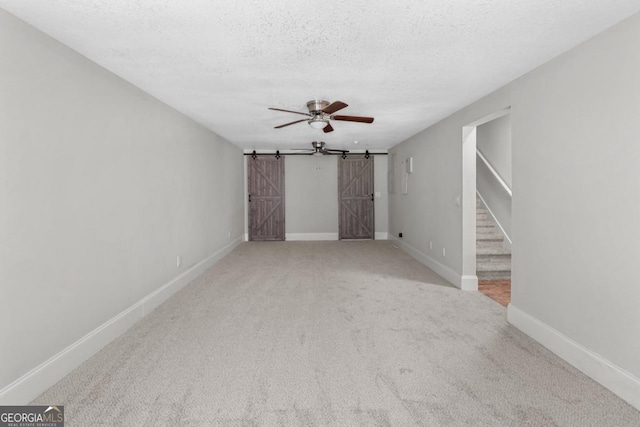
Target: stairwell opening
column 487, row 205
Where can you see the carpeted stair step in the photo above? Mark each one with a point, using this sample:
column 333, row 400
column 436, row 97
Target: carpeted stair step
column 489, row 237
column 481, row 244
column 493, row 275
column 491, row 250
column 487, row 230
column 485, row 223
column 496, row 269
column 482, row 215
column 493, row 260
column 498, row 265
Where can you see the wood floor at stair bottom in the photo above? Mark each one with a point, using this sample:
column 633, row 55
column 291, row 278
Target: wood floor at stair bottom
column 497, row 290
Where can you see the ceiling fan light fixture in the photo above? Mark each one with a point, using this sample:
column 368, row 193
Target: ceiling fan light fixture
column 318, row 123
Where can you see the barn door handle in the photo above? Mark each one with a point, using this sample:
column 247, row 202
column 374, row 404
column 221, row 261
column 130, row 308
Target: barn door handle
column 372, row 197
column 249, row 198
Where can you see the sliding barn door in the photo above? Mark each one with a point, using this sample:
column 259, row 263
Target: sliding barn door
column 355, row 190
column 266, row 198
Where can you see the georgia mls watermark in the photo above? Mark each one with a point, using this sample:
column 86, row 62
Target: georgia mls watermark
column 31, row 416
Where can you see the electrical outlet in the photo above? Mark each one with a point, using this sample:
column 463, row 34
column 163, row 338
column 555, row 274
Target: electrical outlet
column 444, row 252
column 229, row 234
column 430, row 246
column 178, row 261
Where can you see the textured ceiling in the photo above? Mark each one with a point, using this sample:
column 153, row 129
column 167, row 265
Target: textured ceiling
column 407, row 63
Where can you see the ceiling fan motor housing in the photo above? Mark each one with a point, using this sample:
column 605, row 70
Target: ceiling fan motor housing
column 316, row 106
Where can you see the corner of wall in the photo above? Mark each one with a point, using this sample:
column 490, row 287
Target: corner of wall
column 465, row 283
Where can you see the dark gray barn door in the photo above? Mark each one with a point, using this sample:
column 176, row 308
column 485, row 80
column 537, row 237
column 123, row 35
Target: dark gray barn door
column 266, row 198
column 355, row 191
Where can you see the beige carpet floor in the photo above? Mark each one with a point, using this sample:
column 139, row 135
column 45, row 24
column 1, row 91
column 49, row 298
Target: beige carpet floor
column 329, row 334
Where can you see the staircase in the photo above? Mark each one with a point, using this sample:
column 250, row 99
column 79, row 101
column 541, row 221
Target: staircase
column 493, row 261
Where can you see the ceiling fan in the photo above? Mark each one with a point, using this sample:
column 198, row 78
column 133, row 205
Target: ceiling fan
column 320, row 149
column 320, row 112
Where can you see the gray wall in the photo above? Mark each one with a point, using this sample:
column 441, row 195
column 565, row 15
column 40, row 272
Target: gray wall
column 575, row 206
column 429, row 213
column 311, row 183
column 101, row 188
column 494, row 196
column 493, row 140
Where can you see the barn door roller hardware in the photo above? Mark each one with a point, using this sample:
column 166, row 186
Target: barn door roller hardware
column 254, row 155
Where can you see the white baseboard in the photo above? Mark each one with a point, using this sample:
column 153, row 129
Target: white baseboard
column 616, row 379
column 310, row 236
column 382, row 235
column 469, row 283
column 466, row 283
column 33, row 383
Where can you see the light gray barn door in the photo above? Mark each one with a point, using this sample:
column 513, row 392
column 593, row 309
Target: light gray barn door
column 266, row 198
column 355, row 190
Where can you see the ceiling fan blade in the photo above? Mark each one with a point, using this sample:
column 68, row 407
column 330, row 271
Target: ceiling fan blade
column 288, row 124
column 353, row 119
column 328, row 128
column 328, row 150
column 333, row 107
column 289, row 111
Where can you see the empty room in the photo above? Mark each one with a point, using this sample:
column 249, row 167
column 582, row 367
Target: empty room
column 314, row 214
